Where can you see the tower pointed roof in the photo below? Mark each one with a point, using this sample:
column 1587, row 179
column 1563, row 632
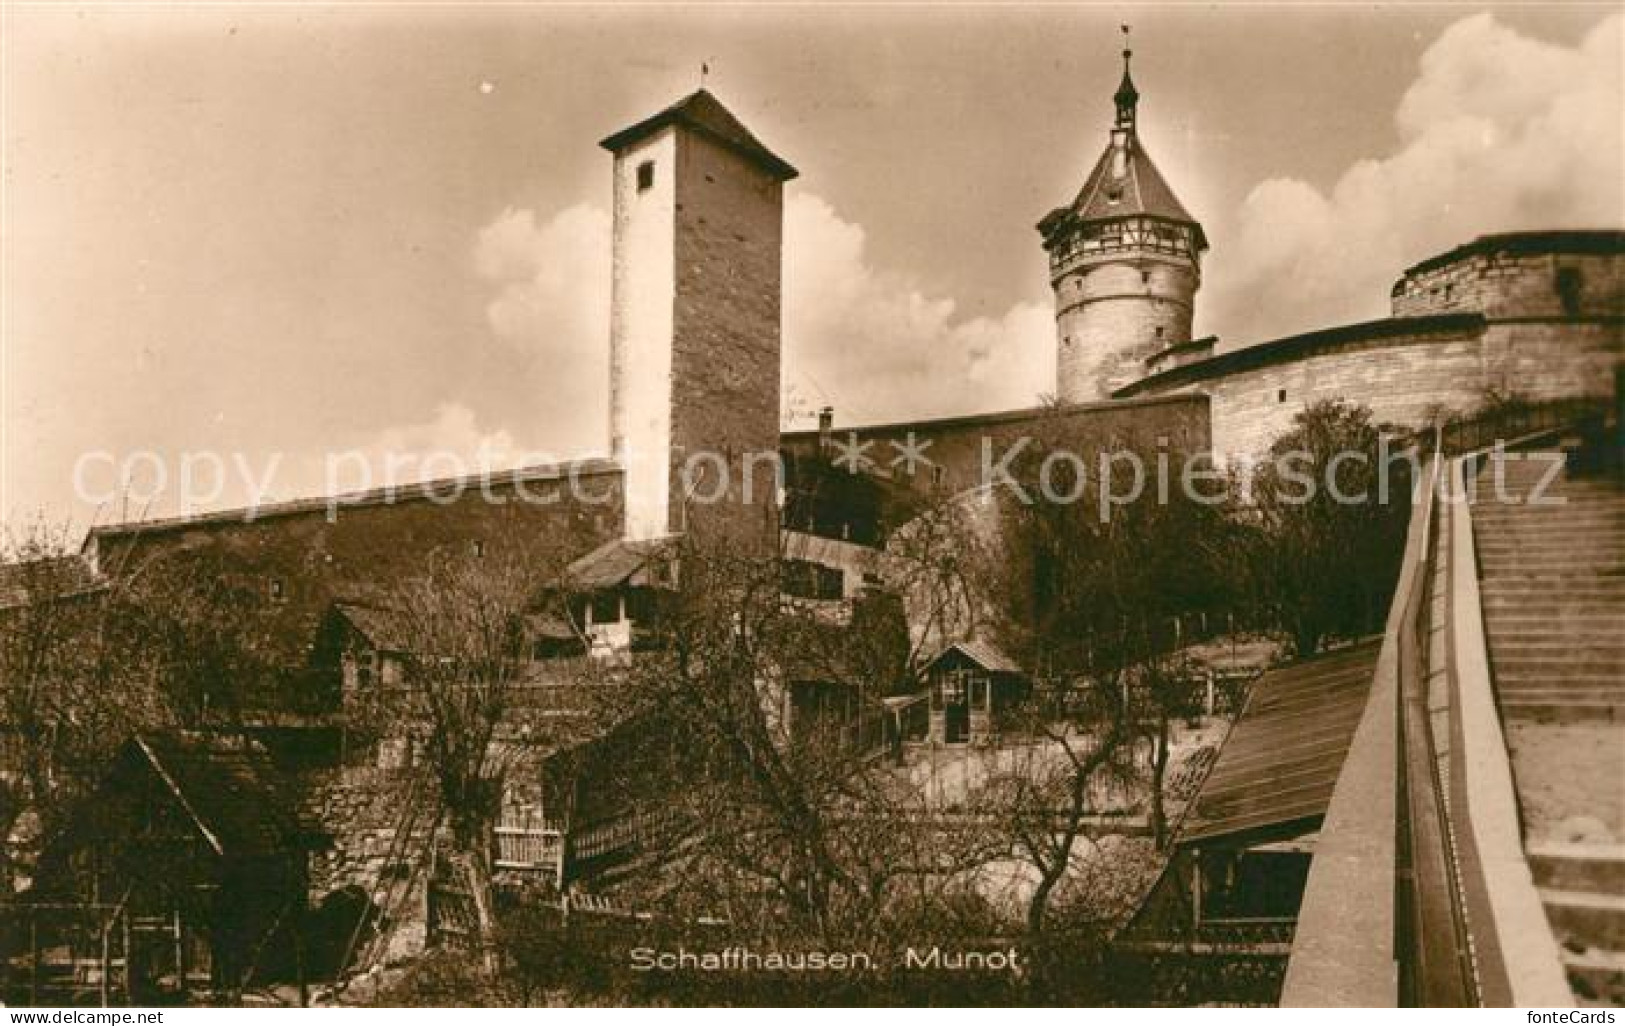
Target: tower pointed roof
column 1125, row 181
column 704, row 114
column 1127, row 97
column 1140, row 189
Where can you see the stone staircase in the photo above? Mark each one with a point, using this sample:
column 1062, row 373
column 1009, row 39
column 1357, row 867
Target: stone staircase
column 1551, row 558
column 1583, row 889
column 1553, row 588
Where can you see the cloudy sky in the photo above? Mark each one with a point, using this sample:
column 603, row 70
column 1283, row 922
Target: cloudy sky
column 275, row 233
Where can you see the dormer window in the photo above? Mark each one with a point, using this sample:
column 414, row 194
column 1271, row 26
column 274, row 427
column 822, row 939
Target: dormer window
column 646, row 176
column 276, row 590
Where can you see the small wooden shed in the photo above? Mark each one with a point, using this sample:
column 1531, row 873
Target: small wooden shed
column 193, row 841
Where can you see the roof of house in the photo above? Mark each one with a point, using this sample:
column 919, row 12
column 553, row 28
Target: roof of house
column 47, row 579
column 385, row 629
column 1283, row 755
column 704, row 114
column 983, row 653
column 616, row 563
column 228, row 787
column 440, row 489
column 390, row 630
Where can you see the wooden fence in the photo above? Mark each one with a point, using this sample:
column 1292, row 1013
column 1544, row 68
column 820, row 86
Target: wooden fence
column 65, row 954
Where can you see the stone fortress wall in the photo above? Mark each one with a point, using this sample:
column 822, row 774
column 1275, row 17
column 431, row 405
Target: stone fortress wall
column 1539, row 315
column 302, row 556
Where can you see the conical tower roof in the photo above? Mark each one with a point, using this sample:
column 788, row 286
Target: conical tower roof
column 1125, row 181
column 704, row 114
column 1139, row 190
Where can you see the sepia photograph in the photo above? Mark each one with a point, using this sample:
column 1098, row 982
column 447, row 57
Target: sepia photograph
column 643, row 507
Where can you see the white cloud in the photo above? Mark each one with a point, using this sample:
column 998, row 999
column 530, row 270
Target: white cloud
column 874, row 344
column 551, row 309
column 453, row 431
column 449, row 443
column 1499, row 132
column 868, row 340
column 553, row 280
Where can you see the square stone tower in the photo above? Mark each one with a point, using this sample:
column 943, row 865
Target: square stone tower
column 694, row 323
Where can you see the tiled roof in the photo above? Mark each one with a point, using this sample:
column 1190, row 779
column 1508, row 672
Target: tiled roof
column 440, row 489
column 616, row 563
column 1141, row 191
column 1281, row 760
column 54, row 577
column 229, row 788
column 384, row 628
column 704, row 114
column 984, row 654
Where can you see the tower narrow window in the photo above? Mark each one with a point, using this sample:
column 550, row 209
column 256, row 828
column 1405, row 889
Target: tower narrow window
column 646, row 176
column 1280, row 395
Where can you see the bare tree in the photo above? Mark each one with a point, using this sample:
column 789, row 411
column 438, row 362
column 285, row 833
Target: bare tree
column 43, row 629
column 192, row 631
column 465, row 616
column 1081, row 749
column 1331, row 519
column 88, row 658
column 807, row 830
column 1091, row 592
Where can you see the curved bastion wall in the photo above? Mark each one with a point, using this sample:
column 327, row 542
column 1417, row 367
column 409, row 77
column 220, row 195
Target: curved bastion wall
column 1539, row 315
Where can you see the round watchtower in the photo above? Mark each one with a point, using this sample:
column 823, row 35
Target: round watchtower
column 1125, row 264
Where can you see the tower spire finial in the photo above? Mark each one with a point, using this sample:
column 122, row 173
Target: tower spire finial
column 1127, row 97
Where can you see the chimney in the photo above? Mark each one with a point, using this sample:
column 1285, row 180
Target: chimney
column 826, row 422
